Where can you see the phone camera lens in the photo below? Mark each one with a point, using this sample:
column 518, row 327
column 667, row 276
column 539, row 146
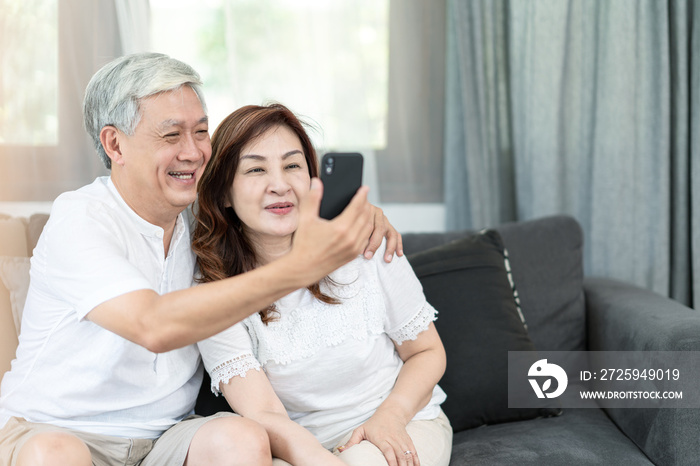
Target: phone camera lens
column 330, row 161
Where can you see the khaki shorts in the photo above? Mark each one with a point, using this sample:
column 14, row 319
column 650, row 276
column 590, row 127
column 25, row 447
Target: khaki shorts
column 170, row 449
column 432, row 439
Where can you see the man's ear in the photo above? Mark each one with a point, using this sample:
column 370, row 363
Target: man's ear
column 110, row 138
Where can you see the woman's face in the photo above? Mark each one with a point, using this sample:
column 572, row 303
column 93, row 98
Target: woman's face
column 271, row 178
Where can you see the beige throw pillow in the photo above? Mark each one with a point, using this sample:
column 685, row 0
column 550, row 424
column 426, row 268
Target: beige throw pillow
column 14, row 274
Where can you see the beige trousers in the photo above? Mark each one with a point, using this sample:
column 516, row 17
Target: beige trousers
column 432, row 439
column 170, row 449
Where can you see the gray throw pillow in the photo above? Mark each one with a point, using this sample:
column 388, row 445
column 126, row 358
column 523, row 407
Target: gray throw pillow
column 479, row 322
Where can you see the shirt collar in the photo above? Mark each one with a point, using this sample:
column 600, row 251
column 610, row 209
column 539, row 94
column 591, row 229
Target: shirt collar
column 144, row 227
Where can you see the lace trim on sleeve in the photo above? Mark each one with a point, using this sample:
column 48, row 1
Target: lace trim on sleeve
column 416, row 325
column 237, row 366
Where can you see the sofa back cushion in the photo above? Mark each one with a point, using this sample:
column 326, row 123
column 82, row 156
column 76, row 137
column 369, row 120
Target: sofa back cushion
column 14, row 277
column 18, row 237
column 13, row 237
column 8, row 332
column 13, row 243
column 546, row 256
column 35, row 226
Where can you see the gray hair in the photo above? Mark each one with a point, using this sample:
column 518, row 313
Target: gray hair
column 114, row 94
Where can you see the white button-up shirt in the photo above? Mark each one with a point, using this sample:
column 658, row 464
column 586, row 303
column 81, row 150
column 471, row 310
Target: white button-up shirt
column 73, row 373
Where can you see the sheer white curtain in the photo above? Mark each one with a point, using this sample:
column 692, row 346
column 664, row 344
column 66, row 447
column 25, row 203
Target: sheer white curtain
column 327, row 61
column 369, row 73
column 134, row 22
column 88, row 36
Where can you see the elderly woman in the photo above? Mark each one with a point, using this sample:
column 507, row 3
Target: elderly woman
column 351, row 363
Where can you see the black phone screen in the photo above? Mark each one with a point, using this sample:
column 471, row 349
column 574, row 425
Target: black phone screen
column 341, row 174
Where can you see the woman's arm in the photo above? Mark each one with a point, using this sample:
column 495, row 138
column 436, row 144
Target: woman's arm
column 252, row 396
column 424, row 364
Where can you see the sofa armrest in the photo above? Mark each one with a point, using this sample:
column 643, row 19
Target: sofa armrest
column 623, row 317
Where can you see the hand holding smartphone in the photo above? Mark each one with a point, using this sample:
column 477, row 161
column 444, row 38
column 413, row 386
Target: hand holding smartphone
column 341, row 174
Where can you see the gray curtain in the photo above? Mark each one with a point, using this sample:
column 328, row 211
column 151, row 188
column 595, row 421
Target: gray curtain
column 410, row 166
column 583, row 107
column 479, row 176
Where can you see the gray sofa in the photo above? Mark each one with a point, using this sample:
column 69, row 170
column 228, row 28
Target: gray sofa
column 480, row 298
column 566, row 311
column 465, row 276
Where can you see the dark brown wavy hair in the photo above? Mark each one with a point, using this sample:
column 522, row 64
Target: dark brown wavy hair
column 219, row 241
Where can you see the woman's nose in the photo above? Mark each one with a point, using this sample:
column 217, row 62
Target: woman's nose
column 279, row 183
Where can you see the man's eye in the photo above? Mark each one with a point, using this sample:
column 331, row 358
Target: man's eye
column 172, row 135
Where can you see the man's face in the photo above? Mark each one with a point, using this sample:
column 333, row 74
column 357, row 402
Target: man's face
column 162, row 161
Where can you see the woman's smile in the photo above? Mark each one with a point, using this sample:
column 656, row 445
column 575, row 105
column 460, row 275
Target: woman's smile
column 280, row 208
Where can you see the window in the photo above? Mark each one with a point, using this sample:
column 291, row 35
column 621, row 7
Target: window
column 29, row 78
column 327, row 61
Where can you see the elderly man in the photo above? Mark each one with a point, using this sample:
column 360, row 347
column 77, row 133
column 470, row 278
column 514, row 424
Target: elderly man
column 107, row 371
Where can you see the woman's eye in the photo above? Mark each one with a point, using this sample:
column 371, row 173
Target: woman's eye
column 293, row 165
column 255, row 170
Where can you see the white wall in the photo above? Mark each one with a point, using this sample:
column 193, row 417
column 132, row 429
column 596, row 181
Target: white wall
column 416, row 218
column 407, row 218
column 25, row 209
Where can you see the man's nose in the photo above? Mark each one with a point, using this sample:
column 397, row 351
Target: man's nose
column 190, row 150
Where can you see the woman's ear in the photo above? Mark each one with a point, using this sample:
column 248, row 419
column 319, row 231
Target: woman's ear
column 109, row 137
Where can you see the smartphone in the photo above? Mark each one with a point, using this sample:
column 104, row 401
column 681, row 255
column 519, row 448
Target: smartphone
column 341, row 174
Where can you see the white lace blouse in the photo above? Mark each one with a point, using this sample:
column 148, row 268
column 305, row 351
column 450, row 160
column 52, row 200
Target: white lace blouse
column 332, row 365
